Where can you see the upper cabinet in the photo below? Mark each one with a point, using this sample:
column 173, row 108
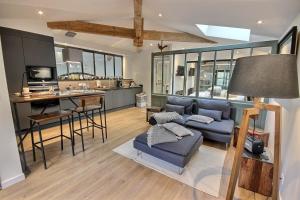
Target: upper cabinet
column 39, row 52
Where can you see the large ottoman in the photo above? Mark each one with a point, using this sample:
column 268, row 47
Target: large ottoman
column 178, row 153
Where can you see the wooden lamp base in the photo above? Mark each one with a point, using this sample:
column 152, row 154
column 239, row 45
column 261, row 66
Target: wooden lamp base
column 247, row 114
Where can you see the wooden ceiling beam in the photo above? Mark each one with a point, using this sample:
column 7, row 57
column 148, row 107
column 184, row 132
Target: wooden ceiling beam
column 86, row 27
column 174, row 36
column 138, row 23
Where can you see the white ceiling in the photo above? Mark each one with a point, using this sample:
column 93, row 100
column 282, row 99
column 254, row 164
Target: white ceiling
column 178, row 15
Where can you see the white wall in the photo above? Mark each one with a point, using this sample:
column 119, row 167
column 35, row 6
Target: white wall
column 138, row 67
column 10, row 167
column 290, row 146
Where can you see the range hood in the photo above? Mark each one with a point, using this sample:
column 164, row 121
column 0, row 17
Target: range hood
column 72, row 55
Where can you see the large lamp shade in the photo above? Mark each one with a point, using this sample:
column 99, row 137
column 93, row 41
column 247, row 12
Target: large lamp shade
column 269, row 76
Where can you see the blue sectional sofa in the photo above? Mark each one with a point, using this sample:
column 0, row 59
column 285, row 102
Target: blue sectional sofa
column 220, row 131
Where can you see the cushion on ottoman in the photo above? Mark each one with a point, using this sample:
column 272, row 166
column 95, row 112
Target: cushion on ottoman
column 178, row 153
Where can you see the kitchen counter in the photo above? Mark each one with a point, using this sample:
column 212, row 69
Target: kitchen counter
column 117, row 88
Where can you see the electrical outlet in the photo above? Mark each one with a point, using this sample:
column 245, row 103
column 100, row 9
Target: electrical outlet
column 281, row 179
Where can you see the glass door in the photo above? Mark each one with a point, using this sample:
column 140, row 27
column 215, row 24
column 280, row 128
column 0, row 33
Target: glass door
column 157, row 75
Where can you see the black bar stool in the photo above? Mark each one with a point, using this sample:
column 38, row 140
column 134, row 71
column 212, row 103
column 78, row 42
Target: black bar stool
column 88, row 106
column 41, row 118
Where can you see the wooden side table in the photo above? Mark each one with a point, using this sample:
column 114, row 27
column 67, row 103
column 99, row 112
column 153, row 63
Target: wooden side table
column 258, row 133
column 256, row 173
column 151, row 110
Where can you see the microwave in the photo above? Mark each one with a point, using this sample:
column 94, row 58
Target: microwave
column 40, row 73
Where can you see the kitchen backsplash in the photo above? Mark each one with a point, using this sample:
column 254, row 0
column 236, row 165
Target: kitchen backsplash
column 90, row 84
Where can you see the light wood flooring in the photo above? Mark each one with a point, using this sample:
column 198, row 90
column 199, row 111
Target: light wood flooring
column 99, row 173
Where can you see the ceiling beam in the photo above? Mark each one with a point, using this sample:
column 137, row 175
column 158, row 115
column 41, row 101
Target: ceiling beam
column 86, row 27
column 137, row 34
column 175, row 36
column 138, row 23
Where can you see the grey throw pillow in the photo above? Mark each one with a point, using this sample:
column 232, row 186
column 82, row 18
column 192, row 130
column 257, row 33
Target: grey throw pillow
column 215, row 114
column 177, row 129
column 201, row 119
column 175, row 108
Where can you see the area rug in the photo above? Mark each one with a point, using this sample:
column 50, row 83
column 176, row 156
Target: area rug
column 203, row 172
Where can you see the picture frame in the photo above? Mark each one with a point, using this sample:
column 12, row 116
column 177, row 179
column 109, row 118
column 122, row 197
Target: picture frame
column 287, row 45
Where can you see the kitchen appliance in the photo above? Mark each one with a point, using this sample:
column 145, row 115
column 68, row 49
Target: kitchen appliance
column 254, row 145
column 41, row 78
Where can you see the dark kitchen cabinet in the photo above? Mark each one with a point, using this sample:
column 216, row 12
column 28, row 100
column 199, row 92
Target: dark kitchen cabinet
column 13, row 61
column 39, row 52
column 19, row 49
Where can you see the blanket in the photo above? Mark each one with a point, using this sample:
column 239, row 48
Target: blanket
column 164, row 117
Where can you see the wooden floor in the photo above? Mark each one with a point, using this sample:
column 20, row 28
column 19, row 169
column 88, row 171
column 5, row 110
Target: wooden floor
column 99, row 173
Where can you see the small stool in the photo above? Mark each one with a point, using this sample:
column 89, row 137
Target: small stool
column 89, row 105
column 40, row 118
column 153, row 109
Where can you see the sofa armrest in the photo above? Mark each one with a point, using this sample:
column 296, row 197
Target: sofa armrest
column 233, row 113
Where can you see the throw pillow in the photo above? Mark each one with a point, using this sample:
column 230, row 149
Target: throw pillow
column 215, row 114
column 175, row 108
column 177, row 129
column 201, row 119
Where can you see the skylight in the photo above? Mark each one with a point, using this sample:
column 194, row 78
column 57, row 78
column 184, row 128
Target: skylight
column 225, row 32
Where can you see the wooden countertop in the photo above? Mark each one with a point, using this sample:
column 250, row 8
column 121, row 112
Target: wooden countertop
column 56, row 95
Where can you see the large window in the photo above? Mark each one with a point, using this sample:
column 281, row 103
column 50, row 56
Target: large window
column 99, row 65
column 191, row 74
column 179, row 74
column 61, row 66
column 118, row 67
column 109, row 63
column 88, row 63
column 203, row 72
column 94, row 65
column 206, row 74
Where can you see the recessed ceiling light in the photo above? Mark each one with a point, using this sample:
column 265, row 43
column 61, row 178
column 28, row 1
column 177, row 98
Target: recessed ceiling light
column 40, row 12
column 260, row 22
column 159, row 14
column 151, row 44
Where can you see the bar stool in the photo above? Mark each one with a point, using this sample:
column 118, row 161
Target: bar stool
column 41, row 118
column 88, row 106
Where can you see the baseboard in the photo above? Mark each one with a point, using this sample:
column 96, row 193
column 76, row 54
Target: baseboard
column 9, row 182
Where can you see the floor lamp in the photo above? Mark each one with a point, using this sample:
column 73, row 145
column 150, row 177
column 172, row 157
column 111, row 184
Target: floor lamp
column 267, row 76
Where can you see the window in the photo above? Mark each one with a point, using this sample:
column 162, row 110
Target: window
column 93, row 65
column 157, row 71
column 191, row 78
column 222, row 74
column 206, row 74
column 61, row 66
column 179, row 74
column 99, row 65
column 88, row 63
column 109, row 63
column 238, row 53
column 261, row 51
column 118, row 67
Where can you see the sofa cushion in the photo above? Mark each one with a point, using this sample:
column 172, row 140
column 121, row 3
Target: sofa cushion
column 212, row 104
column 177, row 129
column 182, row 101
column 182, row 147
column 223, row 127
column 175, row 108
column 182, row 120
column 201, row 119
column 215, row 114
